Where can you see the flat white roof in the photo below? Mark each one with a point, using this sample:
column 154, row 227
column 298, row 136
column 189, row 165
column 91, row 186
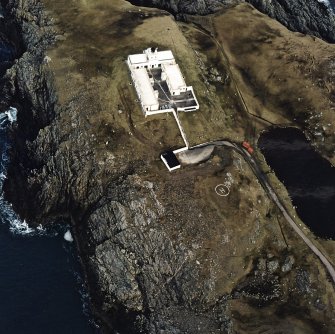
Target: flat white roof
column 146, row 91
column 165, row 55
column 138, row 58
column 173, row 72
column 160, row 56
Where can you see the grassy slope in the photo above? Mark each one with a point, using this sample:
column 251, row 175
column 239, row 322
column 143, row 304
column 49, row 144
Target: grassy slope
column 224, row 234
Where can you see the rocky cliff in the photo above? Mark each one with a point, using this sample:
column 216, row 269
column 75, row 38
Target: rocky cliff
column 199, row 7
column 306, row 16
column 28, row 87
column 162, row 253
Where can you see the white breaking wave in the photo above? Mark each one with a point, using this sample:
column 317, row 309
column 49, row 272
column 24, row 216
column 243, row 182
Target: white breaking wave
column 16, row 225
column 7, row 214
column 326, row 2
column 19, row 227
column 11, row 114
column 3, row 120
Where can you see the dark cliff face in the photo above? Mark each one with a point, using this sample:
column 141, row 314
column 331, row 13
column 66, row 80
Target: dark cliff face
column 143, row 278
column 27, row 86
column 305, row 16
column 198, row 7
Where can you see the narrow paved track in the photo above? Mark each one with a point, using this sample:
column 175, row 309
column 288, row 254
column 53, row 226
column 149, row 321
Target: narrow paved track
column 258, row 171
column 274, row 197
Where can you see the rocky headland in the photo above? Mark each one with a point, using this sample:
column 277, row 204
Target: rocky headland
column 162, row 252
column 311, row 17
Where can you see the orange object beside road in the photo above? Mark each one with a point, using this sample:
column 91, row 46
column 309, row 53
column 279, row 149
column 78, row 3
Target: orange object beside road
column 250, row 150
column 246, row 145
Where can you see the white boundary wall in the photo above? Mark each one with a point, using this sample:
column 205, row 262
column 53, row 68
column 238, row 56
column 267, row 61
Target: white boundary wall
column 196, row 107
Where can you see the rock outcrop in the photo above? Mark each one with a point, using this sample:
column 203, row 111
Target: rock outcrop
column 198, row 7
column 306, row 16
column 31, row 90
column 157, row 259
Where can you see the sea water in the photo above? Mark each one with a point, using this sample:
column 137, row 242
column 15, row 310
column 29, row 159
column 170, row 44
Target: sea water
column 41, row 287
column 329, row 3
column 41, row 284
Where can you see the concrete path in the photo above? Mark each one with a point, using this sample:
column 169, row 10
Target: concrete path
column 181, row 129
column 195, row 156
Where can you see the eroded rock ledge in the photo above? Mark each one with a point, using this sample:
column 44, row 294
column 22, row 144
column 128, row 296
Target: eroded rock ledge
column 158, row 256
column 29, row 87
column 306, row 16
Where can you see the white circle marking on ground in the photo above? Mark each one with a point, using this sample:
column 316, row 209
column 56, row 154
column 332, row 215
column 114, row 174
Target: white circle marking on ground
column 222, row 190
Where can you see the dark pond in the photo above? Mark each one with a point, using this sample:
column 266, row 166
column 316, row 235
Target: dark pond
column 309, row 178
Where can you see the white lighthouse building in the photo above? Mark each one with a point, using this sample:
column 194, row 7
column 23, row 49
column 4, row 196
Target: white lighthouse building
column 159, row 82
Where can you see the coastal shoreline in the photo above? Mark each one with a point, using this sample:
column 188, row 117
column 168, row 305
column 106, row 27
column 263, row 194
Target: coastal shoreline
column 48, row 152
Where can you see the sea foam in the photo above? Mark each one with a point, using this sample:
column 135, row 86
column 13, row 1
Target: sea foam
column 8, row 117
column 16, row 225
column 327, row 3
column 7, row 214
column 11, row 114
